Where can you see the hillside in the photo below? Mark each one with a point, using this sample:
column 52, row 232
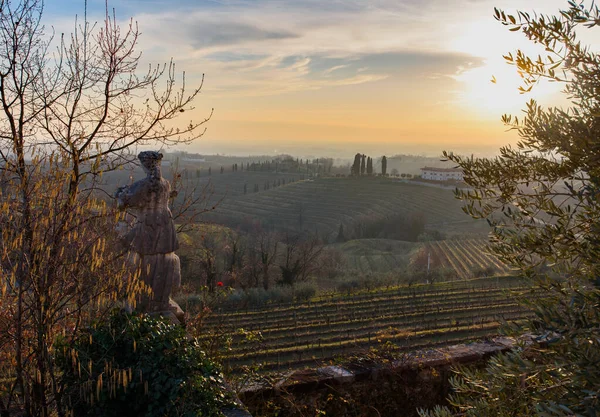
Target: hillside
column 323, row 204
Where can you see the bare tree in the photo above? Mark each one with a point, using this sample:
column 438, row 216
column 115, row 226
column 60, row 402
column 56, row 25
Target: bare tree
column 96, row 109
column 300, row 257
column 190, row 199
column 206, row 256
column 261, row 255
column 67, row 117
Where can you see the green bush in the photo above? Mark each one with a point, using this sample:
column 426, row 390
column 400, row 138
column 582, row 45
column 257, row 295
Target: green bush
column 304, row 291
column 348, row 284
column 281, row 294
column 137, row 365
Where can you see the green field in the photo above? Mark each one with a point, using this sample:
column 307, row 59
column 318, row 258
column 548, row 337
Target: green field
column 303, row 334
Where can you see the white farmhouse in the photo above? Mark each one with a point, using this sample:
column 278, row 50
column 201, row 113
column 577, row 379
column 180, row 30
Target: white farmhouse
column 441, row 174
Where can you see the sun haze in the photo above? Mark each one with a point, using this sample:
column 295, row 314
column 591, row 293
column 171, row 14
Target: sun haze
column 324, row 78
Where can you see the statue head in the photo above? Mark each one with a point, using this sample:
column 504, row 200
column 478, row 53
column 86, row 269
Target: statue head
column 151, row 162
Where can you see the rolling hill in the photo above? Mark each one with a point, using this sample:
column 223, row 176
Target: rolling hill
column 322, row 204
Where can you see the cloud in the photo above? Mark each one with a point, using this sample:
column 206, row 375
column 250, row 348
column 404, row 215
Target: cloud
column 205, row 34
column 335, row 68
column 275, row 47
column 274, row 75
column 230, row 56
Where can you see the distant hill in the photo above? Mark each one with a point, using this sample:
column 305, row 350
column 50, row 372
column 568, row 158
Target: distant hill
column 322, row 204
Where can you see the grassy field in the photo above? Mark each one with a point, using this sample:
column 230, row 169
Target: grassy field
column 405, row 318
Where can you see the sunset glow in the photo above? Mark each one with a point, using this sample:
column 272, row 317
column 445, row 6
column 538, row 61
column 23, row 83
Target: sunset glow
column 315, row 77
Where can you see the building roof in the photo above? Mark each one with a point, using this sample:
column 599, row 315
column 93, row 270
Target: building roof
column 435, row 169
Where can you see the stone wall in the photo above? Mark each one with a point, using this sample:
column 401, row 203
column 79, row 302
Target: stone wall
column 367, row 387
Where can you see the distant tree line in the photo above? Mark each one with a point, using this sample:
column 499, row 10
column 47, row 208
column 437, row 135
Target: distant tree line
column 318, row 166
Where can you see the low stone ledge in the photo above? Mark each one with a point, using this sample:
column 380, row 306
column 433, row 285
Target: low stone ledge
column 438, row 358
column 338, row 373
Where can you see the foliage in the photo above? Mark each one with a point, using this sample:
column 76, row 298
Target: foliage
column 70, row 112
column 215, row 340
column 541, row 199
column 341, row 237
column 363, row 164
column 56, row 265
column 212, row 253
column 137, row 365
column 512, row 385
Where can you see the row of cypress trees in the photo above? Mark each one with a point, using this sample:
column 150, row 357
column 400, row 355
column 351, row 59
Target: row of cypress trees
column 363, row 165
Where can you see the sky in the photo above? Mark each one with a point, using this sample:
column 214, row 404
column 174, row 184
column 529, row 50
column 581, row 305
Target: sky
column 335, row 77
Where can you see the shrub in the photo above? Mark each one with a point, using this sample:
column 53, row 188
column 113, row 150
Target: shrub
column 304, row 291
column 348, row 284
column 281, row 294
column 257, row 297
column 480, row 271
column 137, row 365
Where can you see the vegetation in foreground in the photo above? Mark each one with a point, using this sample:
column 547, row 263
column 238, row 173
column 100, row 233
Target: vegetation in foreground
column 546, row 190
column 69, row 113
column 138, row 365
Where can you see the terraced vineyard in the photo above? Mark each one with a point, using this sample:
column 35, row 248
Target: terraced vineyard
column 323, row 204
column 464, row 257
column 297, row 335
column 231, row 184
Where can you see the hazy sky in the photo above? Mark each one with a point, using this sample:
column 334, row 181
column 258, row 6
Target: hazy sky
column 335, row 76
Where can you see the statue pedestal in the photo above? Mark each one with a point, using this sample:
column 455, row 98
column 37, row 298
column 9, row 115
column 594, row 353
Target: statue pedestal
column 174, row 313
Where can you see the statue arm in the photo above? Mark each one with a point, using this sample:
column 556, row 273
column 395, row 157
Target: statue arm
column 131, row 195
column 121, row 196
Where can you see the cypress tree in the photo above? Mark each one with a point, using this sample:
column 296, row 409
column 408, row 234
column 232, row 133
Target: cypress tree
column 356, row 166
column 363, row 159
column 341, row 237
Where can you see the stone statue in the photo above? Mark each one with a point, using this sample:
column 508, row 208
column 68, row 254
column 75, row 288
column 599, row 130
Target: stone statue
column 153, row 239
